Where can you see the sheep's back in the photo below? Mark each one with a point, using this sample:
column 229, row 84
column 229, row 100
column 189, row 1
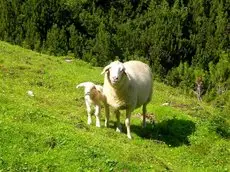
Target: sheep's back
column 141, row 81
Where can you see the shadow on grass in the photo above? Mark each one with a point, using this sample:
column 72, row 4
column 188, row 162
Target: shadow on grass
column 220, row 124
column 173, row 132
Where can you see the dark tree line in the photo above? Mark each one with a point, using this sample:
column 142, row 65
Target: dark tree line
column 180, row 39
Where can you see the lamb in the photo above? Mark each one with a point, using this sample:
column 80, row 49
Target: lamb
column 93, row 96
column 127, row 86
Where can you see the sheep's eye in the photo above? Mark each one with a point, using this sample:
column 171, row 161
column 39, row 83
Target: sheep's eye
column 121, row 71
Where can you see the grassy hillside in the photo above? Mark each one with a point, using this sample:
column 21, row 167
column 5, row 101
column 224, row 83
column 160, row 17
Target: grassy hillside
column 48, row 132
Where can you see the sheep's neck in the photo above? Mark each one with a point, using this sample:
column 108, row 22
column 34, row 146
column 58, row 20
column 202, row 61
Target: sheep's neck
column 118, row 95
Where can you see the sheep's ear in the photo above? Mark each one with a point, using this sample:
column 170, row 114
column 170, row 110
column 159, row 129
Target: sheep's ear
column 124, row 70
column 106, row 68
column 81, row 85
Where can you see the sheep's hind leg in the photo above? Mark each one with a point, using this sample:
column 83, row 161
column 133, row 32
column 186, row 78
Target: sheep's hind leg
column 144, row 115
column 106, row 115
column 127, row 123
column 119, row 128
column 97, row 114
column 89, row 113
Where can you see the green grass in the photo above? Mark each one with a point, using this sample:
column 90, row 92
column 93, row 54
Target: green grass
column 48, row 132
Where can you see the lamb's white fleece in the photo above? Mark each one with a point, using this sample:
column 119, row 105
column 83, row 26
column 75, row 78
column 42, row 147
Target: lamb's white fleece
column 93, row 96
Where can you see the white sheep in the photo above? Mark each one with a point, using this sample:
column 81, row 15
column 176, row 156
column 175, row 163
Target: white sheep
column 127, row 86
column 93, row 96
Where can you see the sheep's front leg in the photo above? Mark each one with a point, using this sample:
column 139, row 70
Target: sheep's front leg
column 127, row 123
column 106, row 115
column 97, row 114
column 88, row 112
column 119, row 128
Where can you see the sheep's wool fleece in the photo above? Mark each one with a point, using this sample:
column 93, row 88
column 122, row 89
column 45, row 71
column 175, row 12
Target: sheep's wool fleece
column 134, row 91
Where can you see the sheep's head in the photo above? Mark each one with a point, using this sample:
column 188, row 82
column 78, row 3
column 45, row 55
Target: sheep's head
column 116, row 71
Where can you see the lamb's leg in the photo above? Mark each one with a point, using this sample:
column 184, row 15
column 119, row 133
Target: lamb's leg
column 106, row 115
column 127, row 123
column 97, row 114
column 119, row 128
column 144, row 115
column 88, row 112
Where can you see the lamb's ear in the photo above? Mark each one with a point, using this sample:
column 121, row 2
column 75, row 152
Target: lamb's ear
column 106, row 68
column 83, row 84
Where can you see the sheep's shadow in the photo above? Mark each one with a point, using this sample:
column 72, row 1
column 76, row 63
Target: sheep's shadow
column 173, row 132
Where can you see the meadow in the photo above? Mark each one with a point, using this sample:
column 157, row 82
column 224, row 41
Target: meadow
column 49, row 131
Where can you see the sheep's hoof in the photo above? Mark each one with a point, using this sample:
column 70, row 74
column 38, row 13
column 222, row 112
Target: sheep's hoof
column 118, row 129
column 129, row 136
column 98, row 125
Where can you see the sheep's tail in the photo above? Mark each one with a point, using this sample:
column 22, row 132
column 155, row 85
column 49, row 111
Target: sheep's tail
column 83, row 84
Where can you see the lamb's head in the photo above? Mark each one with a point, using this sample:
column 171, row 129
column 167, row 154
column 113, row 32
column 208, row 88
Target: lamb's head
column 115, row 71
column 89, row 87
